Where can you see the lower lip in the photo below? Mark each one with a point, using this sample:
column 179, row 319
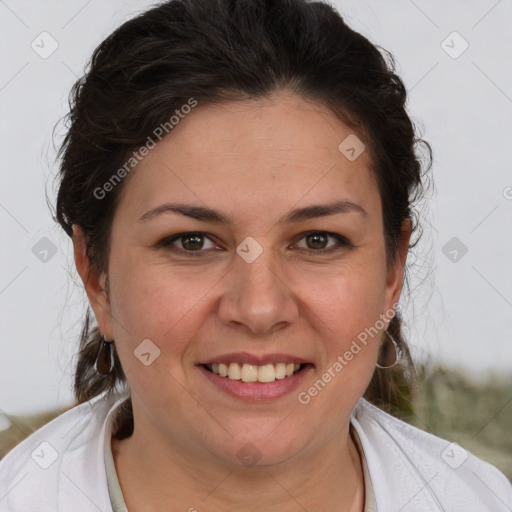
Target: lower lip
column 257, row 390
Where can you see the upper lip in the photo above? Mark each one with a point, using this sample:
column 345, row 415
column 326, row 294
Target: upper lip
column 256, row 360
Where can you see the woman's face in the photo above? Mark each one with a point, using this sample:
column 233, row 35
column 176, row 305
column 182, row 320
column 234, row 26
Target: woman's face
column 251, row 180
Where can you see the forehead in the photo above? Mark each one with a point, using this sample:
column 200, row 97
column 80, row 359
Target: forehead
column 258, row 152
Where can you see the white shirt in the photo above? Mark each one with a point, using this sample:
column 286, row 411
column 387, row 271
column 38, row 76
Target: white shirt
column 61, row 467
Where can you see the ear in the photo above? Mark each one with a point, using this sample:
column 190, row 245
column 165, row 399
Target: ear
column 94, row 283
column 395, row 274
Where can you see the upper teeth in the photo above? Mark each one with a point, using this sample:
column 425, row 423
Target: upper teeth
column 252, row 373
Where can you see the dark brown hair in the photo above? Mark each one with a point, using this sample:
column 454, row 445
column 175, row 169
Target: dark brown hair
column 225, row 50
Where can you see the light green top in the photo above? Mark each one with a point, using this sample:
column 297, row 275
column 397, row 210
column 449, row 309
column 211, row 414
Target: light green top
column 118, row 504
column 370, row 504
column 114, row 489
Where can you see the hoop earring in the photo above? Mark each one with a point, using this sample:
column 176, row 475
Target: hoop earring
column 105, row 359
column 385, row 349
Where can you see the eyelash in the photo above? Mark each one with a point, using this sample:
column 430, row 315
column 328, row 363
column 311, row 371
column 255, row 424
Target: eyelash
column 166, row 243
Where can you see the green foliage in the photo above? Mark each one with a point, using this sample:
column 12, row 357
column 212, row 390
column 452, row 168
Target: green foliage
column 477, row 415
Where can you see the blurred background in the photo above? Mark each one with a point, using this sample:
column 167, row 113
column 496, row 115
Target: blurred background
column 456, row 62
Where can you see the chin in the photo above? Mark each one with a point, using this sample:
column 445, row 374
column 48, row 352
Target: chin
column 264, row 447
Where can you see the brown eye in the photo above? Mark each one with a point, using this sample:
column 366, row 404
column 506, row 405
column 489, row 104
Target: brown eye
column 193, row 241
column 188, row 243
column 318, row 241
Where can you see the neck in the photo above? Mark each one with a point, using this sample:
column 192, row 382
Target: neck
column 152, row 477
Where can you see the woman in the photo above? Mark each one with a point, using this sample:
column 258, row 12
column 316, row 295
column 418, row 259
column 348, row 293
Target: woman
column 238, row 180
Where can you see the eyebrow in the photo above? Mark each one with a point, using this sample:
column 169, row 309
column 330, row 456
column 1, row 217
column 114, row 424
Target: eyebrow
column 297, row 215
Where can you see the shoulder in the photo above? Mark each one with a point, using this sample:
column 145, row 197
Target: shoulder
column 48, row 468
column 424, row 471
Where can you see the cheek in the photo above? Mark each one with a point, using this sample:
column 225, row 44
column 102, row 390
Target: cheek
column 353, row 300
column 147, row 304
column 349, row 307
column 156, row 302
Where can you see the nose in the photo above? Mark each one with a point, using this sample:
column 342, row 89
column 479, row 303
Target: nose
column 258, row 296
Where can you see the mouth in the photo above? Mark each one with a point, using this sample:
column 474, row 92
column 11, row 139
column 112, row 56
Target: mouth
column 255, row 377
column 247, row 372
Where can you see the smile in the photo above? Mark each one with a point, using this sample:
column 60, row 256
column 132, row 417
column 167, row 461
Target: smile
column 251, row 376
column 247, row 372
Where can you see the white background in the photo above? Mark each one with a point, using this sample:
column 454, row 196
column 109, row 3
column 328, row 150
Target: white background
column 459, row 313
